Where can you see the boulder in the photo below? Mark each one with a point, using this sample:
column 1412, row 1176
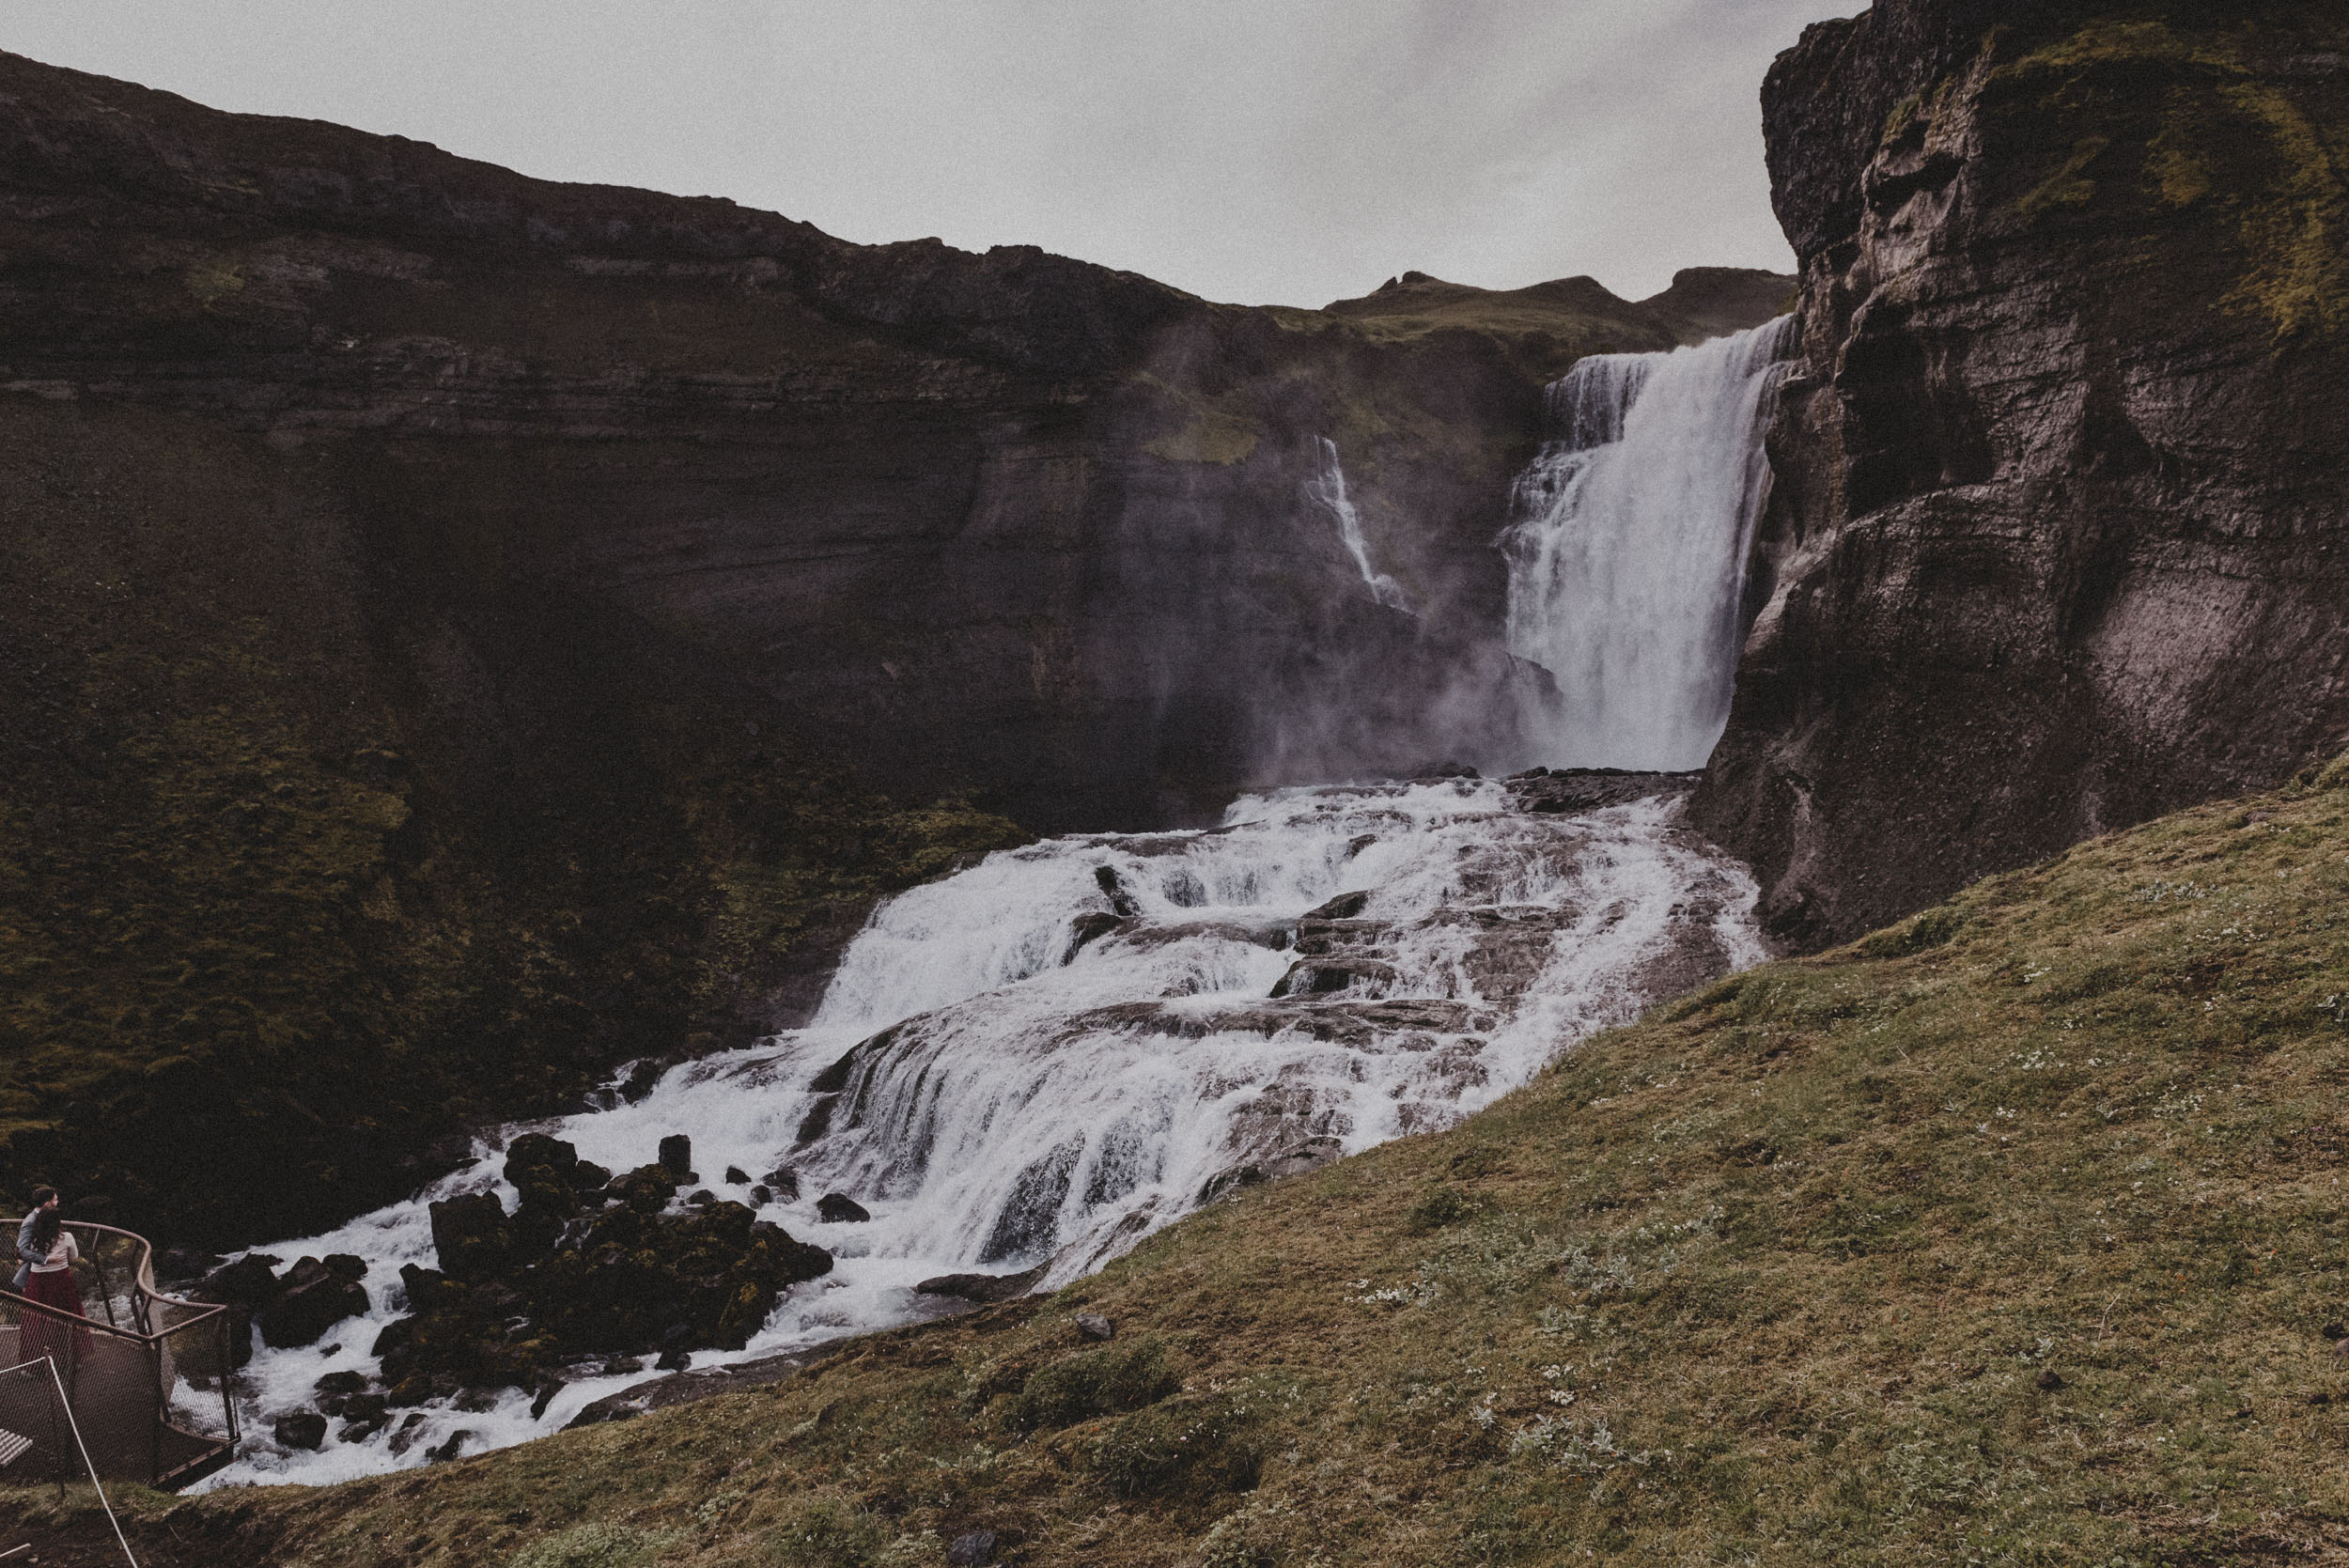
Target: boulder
column 338, row 1386
column 473, row 1237
column 300, row 1429
column 971, row 1549
column 677, row 1156
column 838, row 1208
column 1093, row 1325
column 184, row 1263
column 1345, row 906
column 543, row 1171
column 1367, row 977
column 250, row 1281
column 315, row 1300
column 1087, row 929
column 427, row 1288
column 982, row 1287
column 785, row 1183
column 349, row 1265
column 648, row 1189
column 735, row 1177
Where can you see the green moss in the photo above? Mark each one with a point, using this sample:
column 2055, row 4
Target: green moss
column 1212, row 436
column 2228, row 138
column 2069, row 185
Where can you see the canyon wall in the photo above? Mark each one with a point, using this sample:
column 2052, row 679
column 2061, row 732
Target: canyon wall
column 463, row 632
column 2060, row 535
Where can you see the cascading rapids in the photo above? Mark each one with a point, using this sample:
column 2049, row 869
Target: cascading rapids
column 1034, row 1063
column 1627, row 548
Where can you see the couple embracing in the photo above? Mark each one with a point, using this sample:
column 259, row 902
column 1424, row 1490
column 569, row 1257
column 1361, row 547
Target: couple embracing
column 46, row 1275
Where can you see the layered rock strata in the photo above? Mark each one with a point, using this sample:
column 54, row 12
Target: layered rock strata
column 467, row 632
column 2059, row 538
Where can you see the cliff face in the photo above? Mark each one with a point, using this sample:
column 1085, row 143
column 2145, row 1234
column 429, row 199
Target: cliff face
column 2060, row 538
column 463, row 633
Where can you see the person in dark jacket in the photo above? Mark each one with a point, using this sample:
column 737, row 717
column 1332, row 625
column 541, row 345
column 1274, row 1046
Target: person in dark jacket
column 44, row 1201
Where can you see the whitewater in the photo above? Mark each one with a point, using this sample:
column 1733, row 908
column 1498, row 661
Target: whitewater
column 1032, row 1066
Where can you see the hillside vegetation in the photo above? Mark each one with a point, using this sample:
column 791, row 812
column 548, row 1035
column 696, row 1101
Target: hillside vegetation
column 288, row 892
column 2012, row 1234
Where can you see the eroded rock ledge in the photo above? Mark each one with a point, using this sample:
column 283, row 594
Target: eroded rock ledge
column 2060, row 538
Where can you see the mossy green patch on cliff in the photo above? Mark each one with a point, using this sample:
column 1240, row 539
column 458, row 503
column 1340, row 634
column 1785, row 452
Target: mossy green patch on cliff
column 1212, row 436
column 2011, row 1236
column 2230, row 136
column 2069, row 186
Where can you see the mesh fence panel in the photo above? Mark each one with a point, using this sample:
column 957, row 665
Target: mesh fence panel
column 33, row 1434
column 146, row 1375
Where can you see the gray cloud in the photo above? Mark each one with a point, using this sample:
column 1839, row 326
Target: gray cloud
column 1287, row 151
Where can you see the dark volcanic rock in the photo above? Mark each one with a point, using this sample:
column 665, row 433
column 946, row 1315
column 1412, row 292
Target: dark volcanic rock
column 250, row 1281
column 838, row 1208
column 629, row 1277
column 686, row 1388
column 471, row 1237
column 971, row 1549
column 2057, row 541
column 316, row 1297
column 300, row 1429
column 1579, row 789
column 983, row 1287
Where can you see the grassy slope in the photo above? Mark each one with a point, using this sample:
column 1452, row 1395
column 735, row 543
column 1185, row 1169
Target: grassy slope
column 2008, row 1234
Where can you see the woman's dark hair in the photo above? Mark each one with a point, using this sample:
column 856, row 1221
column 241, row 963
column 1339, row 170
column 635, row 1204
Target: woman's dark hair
column 45, row 1221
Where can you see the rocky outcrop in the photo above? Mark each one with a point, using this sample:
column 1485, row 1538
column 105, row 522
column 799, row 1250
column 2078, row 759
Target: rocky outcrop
column 2059, row 539
column 584, row 1270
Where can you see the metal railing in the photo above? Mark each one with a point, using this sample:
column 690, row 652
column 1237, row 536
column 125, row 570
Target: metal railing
column 141, row 1369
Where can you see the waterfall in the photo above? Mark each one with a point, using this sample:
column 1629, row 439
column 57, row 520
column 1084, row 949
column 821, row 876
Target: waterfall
column 1038, row 1061
column 1027, row 1068
column 1329, row 488
column 1628, row 546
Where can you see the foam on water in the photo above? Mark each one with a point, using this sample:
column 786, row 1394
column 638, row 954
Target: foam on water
column 1014, row 1097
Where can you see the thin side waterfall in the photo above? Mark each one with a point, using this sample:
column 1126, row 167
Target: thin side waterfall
column 1627, row 547
column 1329, row 490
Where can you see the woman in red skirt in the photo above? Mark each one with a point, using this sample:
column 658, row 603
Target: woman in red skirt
column 50, row 1253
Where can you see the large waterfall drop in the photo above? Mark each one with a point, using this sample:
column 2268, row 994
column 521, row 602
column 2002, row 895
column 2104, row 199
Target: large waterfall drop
column 1627, row 548
column 1027, row 1068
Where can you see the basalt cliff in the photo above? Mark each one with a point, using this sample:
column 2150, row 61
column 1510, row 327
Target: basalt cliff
column 2060, row 533
column 463, row 632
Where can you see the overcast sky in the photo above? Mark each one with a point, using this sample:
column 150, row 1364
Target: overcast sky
column 1263, row 152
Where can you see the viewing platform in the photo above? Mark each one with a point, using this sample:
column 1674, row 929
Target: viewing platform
column 146, row 1375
